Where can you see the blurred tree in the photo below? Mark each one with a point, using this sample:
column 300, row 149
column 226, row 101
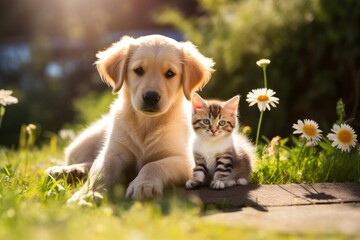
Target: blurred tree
column 59, row 39
column 314, row 47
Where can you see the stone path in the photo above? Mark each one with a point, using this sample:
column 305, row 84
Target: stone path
column 315, row 208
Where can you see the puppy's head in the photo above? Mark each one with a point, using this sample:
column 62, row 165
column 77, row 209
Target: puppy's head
column 154, row 70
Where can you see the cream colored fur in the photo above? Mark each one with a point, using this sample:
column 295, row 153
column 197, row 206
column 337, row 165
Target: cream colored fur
column 155, row 145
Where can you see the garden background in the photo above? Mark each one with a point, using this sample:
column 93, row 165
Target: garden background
column 47, row 51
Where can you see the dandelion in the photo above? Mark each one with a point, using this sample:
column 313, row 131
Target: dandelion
column 343, row 137
column 309, row 130
column 263, row 97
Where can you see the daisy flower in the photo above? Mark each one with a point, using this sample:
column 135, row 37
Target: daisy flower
column 263, row 97
column 6, row 99
column 263, row 62
column 308, row 129
column 343, row 137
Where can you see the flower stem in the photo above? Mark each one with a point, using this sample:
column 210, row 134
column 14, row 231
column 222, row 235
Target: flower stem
column 332, row 165
column 265, row 78
column 301, row 150
column 258, row 128
column 297, row 164
column 2, row 113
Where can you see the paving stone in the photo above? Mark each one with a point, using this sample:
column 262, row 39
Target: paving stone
column 279, row 195
column 310, row 219
column 320, row 208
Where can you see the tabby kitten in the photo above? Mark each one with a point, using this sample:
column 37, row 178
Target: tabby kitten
column 223, row 156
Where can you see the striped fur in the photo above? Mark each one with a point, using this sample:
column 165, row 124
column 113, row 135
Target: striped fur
column 223, row 157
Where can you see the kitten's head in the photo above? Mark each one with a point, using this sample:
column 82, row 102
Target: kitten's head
column 212, row 118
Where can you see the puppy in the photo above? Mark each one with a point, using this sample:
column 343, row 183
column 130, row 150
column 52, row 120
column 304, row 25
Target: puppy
column 144, row 139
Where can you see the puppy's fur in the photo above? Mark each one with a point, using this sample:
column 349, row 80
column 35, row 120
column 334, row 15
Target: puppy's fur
column 145, row 137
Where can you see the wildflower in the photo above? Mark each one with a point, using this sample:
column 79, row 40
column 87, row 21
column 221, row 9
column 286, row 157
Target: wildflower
column 67, row 134
column 263, row 62
column 6, row 98
column 263, row 97
column 31, row 128
column 246, row 130
column 344, row 137
column 274, row 145
column 308, row 129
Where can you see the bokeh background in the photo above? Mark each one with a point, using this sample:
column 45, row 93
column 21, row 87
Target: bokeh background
column 47, row 51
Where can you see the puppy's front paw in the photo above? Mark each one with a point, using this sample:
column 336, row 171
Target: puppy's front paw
column 192, row 184
column 72, row 173
column 85, row 198
column 141, row 190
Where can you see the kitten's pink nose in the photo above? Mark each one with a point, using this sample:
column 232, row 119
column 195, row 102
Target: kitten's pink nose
column 213, row 130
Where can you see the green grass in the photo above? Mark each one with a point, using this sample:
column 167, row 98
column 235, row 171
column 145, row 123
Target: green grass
column 280, row 164
column 32, row 208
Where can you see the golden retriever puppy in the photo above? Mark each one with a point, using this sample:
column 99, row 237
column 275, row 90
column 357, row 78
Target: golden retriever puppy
column 145, row 139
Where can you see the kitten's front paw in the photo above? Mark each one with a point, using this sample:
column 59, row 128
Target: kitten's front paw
column 218, row 184
column 242, row 181
column 192, row 184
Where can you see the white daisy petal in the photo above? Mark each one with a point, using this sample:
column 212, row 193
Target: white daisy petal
column 263, row 97
column 343, row 137
column 309, row 130
column 263, row 62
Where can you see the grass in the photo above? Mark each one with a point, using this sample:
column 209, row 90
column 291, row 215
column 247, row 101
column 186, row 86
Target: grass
column 33, row 208
column 280, row 164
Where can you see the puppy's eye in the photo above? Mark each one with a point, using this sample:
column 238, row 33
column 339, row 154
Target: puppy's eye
column 139, row 71
column 206, row 121
column 222, row 123
column 169, row 74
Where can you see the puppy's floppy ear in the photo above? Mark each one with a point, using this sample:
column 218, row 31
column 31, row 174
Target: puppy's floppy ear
column 197, row 69
column 111, row 63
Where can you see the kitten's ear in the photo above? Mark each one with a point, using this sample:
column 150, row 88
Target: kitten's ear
column 232, row 104
column 198, row 102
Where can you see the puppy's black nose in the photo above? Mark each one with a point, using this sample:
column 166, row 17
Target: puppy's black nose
column 151, row 98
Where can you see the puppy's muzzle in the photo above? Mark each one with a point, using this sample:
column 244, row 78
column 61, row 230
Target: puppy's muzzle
column 151, row 100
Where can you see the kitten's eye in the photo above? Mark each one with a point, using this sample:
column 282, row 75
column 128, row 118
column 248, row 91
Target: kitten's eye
column 206, row 121
column 139, row 71
column 169, row 74
column 222, row 123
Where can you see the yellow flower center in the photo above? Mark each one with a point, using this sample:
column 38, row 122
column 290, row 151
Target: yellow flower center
column 263, row 98
column 344, row 136
column 309, row 130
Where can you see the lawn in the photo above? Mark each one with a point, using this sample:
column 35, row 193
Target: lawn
column 33, row 208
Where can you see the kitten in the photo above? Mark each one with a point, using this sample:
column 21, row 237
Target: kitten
column 223, row 156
